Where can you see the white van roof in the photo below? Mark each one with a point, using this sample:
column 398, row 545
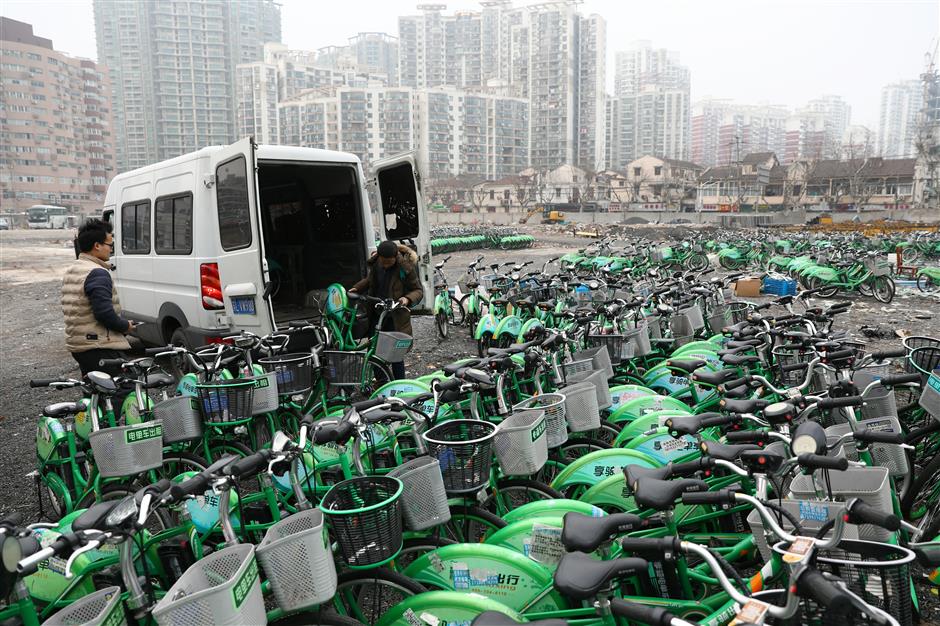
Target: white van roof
column 273, row 153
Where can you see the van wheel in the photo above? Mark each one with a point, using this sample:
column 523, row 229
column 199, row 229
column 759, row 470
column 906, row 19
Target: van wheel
column 178, row 338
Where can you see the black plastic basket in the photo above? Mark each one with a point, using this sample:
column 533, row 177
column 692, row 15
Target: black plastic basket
column 365, row 515
column 614, row 345
column 739, row 311
column 787, row 357
column 913, row 343
column 293, row 372
column 224, row 401
column 464, row 450
column 343, row 369
column 924, row 360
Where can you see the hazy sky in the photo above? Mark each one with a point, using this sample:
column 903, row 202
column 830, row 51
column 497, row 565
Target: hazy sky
column 752, row 51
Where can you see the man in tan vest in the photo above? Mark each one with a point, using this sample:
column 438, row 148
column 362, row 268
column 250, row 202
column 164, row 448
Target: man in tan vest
column 94, row 328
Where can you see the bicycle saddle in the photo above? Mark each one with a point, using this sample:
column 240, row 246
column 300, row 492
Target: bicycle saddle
column 102, row 383
column 726, row 451
column 742, row 406
column 661, row 495
column 60, row 409
column 157, row 380
column 94, row 516
column 739, row 359
column 453, row 368
column 499, row 301
column 713, row 378
column 580, row 577
column 686, row 366
column 688, row 424
column 546, row 305
column 585, row 533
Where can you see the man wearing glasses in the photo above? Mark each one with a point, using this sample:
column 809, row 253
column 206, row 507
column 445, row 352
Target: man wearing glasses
column 94, row 327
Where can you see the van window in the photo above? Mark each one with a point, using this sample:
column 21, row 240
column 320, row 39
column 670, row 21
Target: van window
column 399, row 201
column 231, row 193
column 135, row 227
column 173, row 225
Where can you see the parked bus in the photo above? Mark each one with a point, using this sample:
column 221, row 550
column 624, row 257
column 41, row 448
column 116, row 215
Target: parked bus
column 48, row 216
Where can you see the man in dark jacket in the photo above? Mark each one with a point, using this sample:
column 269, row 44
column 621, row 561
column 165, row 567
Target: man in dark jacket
column 94, row 327
column 393, row 274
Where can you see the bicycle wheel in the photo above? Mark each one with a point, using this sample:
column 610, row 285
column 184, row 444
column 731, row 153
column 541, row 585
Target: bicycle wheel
column 457, row 310
column 176, row 462
column 485, row 343
column 926, row 284
column 471, row 524
column 317, row 617
column 511, row 493
column 415, row 547
column 883, row 289
column 365, row 595
column 440, row 320
column 923, row 498
column 697, row 262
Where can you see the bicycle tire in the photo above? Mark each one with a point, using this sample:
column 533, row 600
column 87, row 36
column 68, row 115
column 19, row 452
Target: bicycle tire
column 316, row 617
column 525, row 486
column 440, row 321
column 883, row 289
column 414, row 547
column 926, row 480
column 456, row 307
column 348, row 584
column 926, row 284
column 184, row 459
column 471, row 514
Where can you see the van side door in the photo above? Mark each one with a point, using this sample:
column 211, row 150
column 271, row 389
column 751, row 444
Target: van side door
column 403, row 214
column 242, row 267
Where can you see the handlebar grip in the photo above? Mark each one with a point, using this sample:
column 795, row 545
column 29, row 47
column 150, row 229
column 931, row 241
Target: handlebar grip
column 734, row 383
column 834, row 403
column 111, row 362
column 690, row 467
column 838, row 355
column 645, row 614
column 792, row 368
column 251, row 464
column 722, row 496
column 362, row 405
column 894, row 353
column 718, row 420
column 339, row 433
column 747, row 436
column 160, row 350
column 861, row 513
column 451, row 384
column 189, row 487
column 875, row 436
column 899, row 379
column 819, row 461
column 812, row 584
column 13, row 519
column 42, row 382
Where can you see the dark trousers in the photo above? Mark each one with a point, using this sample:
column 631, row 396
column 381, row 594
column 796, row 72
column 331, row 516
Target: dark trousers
column 398, row 370
column 88, row 362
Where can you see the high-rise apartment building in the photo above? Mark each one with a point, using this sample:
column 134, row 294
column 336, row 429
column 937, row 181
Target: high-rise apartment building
column 816, row 130
column 723, row 132
column 364, row 53
column 172, row 67
column 592, row 109
column 655, row 104
column 421, row 47
column 56, row 134
column 901, row 105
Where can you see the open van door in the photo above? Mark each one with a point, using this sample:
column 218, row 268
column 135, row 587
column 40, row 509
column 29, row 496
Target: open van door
column 241, row 264
column 403, row 214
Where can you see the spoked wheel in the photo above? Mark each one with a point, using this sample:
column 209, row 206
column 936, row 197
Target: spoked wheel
column 365, row 595
column 927, row 284
column 511, row 493
column 440, row 320
column 457, row 310
column 697, row 262
column 923, row 497
column 883, row 289
column 816, row 283
column 471, row 524
column 484, row 343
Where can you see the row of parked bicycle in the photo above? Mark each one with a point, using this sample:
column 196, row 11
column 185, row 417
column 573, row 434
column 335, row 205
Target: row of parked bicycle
column 660, row 454
column 446, row 239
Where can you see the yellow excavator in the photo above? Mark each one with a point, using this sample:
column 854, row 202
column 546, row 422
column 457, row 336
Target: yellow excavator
column 548, row 216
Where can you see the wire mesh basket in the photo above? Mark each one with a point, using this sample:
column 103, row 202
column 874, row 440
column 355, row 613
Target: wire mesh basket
column 127, row 450
column 598, row 378
column 879, row 573
column 719, row 317
column 615, row 347
column 222, row 588
column 365, row 515
column 871, row 484
column 639, row 337
column 464, row 450
column 877, row 266
column 296, row 559
column 581, row 407
column 553, row 405
column 265, row 398
column 600, row 359
column 681, row 326
column 925, row 360
column 225, row 400
column 393, row 346
column 786, row 357
column 343, row 369
column 424, row 499
column 180, row 418
column 101, row 608
column 520, row 443
column 911, row 344
column 930, row 396
column 572, row 368
column 292, row 372
column 654, row 326
column 739, row 311
column 694, row 314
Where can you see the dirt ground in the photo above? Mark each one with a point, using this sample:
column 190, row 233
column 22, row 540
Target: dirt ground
column 32, row 340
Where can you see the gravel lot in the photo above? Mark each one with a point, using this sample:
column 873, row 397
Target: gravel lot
column 32, row 342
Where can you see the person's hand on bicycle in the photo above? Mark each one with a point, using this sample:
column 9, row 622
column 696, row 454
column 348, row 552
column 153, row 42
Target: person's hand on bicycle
column 403, row 301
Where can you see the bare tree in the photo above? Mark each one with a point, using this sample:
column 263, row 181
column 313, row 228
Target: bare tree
column 524, row 190
column 478, row 195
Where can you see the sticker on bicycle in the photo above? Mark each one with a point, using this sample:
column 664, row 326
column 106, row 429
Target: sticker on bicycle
column 545, row 545
column 436, row 561
column 798, row 550
column 429, row 619
column 673, row 445
column 751, row 613
column 412, row 618
column 243, row 587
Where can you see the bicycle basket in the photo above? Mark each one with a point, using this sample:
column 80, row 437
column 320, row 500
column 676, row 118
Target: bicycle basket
column 784, row 358
column 924, row 360
column 868, row 483
column 296, row 559
column 424, row 499
column 265, row 398
column 343, row 369
column 614, row 344
column 694, row 314
column 463, row 448
column 392, row 346
column 365, row 515
column 598, row 378
column 879, row 573
column 739, row 311
column 930, row 396
column 226, row 400
column 101, row 608
column 600, row 359
column 180, row 418
column 639, row 338
column 293, row 372
column 222, row 588
column 911, row 344
column 553, row 405
column 573, row 368
column 718, row 319
column 581, row 407
column 127, row 450
column 520, row 443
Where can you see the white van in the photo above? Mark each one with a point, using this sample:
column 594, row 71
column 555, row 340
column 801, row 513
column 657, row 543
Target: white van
column 247, row 237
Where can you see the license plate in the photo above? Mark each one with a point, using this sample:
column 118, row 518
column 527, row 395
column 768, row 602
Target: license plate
column 244, row 305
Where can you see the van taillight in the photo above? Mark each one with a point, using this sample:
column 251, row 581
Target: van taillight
column 210, row 286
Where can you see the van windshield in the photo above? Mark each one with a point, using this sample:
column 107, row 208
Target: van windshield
column 312, row 223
